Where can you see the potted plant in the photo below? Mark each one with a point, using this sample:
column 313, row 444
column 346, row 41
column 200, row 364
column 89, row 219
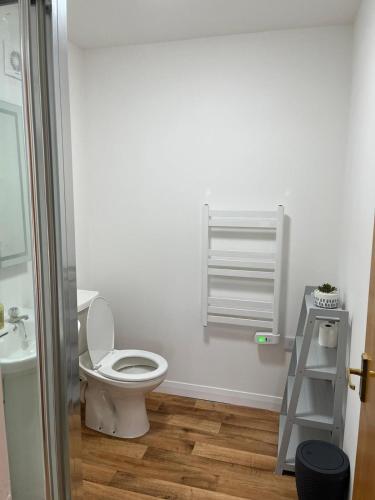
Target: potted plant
column 326, row 296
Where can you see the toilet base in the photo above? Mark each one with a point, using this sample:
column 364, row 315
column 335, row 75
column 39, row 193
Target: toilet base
column 117, row 411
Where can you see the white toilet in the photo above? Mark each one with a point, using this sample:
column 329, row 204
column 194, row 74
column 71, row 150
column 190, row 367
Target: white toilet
column 117, row 381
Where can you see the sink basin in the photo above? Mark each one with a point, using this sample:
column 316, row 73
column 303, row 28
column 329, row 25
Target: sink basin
column 17, row 350
column 18, row 347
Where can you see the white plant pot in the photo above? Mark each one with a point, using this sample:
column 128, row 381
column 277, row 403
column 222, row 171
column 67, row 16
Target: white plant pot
column 326, row 300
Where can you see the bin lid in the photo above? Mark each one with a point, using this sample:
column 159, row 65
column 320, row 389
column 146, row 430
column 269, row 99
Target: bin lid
column 323, row 457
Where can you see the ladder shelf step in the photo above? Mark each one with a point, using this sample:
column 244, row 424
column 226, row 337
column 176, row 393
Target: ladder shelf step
column 315, row 403
column 321, row 361
column 299, row 433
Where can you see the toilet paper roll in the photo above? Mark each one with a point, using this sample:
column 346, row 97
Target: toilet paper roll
column 328, row 335
column 332, row 336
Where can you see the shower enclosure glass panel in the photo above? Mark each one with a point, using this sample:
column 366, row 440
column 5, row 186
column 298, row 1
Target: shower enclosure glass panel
column 21, row 411
column 39, row 389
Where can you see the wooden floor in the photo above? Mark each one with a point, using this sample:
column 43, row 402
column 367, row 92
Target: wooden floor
column 195, row 450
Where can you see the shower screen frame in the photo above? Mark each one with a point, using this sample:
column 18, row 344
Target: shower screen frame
column 43, row 27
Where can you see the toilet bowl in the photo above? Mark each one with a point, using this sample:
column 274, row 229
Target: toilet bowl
column 117, row 380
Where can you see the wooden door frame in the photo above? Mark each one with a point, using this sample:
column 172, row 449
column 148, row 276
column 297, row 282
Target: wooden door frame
column 369, row 347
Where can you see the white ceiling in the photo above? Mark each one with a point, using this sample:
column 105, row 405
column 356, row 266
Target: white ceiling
column 104, row 23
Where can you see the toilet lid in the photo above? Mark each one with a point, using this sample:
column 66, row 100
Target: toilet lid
column 100, row 330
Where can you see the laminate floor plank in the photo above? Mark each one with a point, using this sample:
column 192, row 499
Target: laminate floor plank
column 249, row 420
column 235, row 431
column 165, row 489
column 209, row 465
column 177, row 471
column 123, row 447
column 163, row 436
column 169, row 411
column 236, row 410
column 172, row 399
column 233, row 456
column 153, row 404
column 95, row 491
column 264, row 490
column 255, row 479
column 101, row 474
column 193, row 422
column 170, row 437
column 195, row 450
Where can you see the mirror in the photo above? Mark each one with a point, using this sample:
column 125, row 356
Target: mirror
column 14, row 214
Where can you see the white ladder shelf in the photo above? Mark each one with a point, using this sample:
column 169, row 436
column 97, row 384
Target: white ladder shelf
column 239, row 264
column 313, row 402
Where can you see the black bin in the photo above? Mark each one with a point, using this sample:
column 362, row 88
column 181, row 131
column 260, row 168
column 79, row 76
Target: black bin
column 322, row 471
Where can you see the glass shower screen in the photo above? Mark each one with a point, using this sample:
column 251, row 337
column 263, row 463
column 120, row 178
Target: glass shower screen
column 39, row 410
column 21, row 412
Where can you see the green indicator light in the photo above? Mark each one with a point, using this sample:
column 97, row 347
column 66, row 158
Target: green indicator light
column 262, row 340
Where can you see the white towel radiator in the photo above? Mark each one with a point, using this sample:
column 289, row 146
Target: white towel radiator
column 263, row 315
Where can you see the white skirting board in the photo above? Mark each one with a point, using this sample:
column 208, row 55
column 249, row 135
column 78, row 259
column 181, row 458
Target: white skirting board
column 241, row 398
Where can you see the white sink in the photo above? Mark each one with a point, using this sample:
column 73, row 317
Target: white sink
column 18, row 347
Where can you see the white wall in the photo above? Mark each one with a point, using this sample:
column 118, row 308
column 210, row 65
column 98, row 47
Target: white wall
column 80, row 171
column 359, row 202
column 244, row 121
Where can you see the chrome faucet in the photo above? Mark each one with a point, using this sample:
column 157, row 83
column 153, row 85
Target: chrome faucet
column 16, row 319
column 14, row 315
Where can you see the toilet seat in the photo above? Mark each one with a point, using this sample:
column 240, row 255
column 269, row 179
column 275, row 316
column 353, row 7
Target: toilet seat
column 122, row 365
column 133, row 366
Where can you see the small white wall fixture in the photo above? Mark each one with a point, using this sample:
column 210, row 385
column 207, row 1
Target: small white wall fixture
column 259, row 269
